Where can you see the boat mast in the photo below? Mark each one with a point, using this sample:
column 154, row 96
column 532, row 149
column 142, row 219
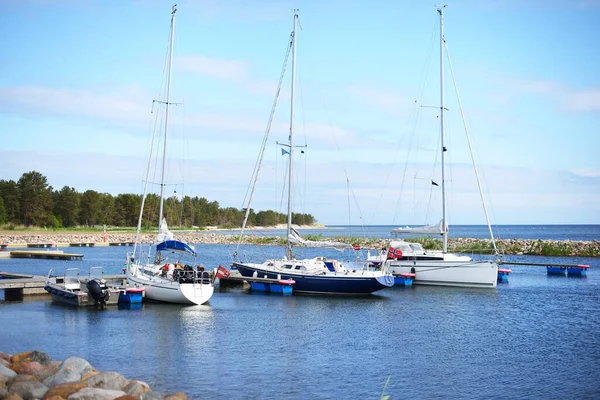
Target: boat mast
column 168, row 102
column 288, row 252
column 440, row 10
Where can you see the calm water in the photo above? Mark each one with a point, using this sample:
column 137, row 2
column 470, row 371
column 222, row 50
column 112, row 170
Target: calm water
column 552, row 232
column 535, row 337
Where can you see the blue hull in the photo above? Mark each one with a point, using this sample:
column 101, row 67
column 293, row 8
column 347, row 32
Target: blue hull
column 320, row 284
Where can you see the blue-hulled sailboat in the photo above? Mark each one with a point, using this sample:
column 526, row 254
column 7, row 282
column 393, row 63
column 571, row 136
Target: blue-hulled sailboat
column 316, row 275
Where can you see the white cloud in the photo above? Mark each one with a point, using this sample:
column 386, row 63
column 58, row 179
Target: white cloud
column 238, row 72
column 567, row 98
column 586, row 173
column 122, row 104
column 387, row 100
column 229, row 70
column 583, row 100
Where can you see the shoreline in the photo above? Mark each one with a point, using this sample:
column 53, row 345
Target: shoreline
column 569, row 248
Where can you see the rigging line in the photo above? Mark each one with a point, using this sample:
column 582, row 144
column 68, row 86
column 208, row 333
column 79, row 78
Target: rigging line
column 433, row 168
column 360, row 214
column 299, row 73
column 151, row 150
column 265, row 139
column 341, row 158
column 462, row 114
column 348, row 194
column 420, row 92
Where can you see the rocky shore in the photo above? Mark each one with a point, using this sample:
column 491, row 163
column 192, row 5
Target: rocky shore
column 34, row 375
column 506, row 246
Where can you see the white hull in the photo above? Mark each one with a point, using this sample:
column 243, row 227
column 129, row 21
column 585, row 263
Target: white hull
column 480, row 274
column 170, row 291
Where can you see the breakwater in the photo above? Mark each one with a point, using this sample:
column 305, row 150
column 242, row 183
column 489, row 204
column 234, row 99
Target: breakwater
column 34, row 375
column 569, row 248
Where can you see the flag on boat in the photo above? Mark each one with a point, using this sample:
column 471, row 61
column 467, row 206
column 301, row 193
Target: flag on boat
column 434, row 184
column 394, row 253
column 284, row 152
column 222, row 272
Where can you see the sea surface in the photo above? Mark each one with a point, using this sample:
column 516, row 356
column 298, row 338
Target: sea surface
column 537, row 336
column 550, row 232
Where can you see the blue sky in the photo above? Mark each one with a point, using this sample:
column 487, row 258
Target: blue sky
column 77, row 79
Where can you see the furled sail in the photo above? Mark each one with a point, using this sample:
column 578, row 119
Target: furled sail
column 295, row 238
column 165, row 241
column 423, row 230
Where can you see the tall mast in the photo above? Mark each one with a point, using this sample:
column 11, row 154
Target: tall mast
column 289, row 253
column 168, row 102
column 440, row 10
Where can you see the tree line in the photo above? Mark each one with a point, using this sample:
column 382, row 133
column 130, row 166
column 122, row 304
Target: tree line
column 31, row 201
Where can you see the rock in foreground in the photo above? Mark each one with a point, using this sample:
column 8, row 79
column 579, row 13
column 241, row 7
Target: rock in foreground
column 34, row 375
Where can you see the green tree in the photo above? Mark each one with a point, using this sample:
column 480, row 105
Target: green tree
column 90, row 208
column 127, row 208
column 9, row 191
column 36, row 199
column 150, row 215
column 66, row 206
column 3, row 217
column 107, row 209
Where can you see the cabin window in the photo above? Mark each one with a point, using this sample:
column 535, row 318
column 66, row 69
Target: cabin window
column 287, row 266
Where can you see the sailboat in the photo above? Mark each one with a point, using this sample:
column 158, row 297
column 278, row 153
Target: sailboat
column 170, row 274
column 316, row 275
column 439, row 267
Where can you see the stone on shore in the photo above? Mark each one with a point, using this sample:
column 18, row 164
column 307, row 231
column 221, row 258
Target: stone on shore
column 33, row 375
column 96, row 394
column 466, row 245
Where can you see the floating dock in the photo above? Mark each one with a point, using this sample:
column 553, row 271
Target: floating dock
column 47, row 254
column 405, row 279
column 503, row 275
column 554, row 269
column 264, row 285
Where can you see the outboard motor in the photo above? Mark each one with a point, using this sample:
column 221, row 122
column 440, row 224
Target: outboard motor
column 99, row 294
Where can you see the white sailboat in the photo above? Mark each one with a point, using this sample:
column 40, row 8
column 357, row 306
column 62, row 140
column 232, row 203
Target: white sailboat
column 317, row 275
column 439, row 267
column 169, row 274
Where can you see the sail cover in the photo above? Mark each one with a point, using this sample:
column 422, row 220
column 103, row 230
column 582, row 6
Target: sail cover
column 176, row 245
column 165, row 241
column 427, row 229
column 295, row 238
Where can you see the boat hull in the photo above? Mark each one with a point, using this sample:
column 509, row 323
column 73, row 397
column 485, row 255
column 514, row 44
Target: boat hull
column 169, row 291
column 77, row 298
column 477, row 274
column 339, row 283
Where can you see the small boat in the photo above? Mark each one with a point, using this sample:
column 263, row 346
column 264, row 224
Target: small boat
column 71, row 289
column 316, row 275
